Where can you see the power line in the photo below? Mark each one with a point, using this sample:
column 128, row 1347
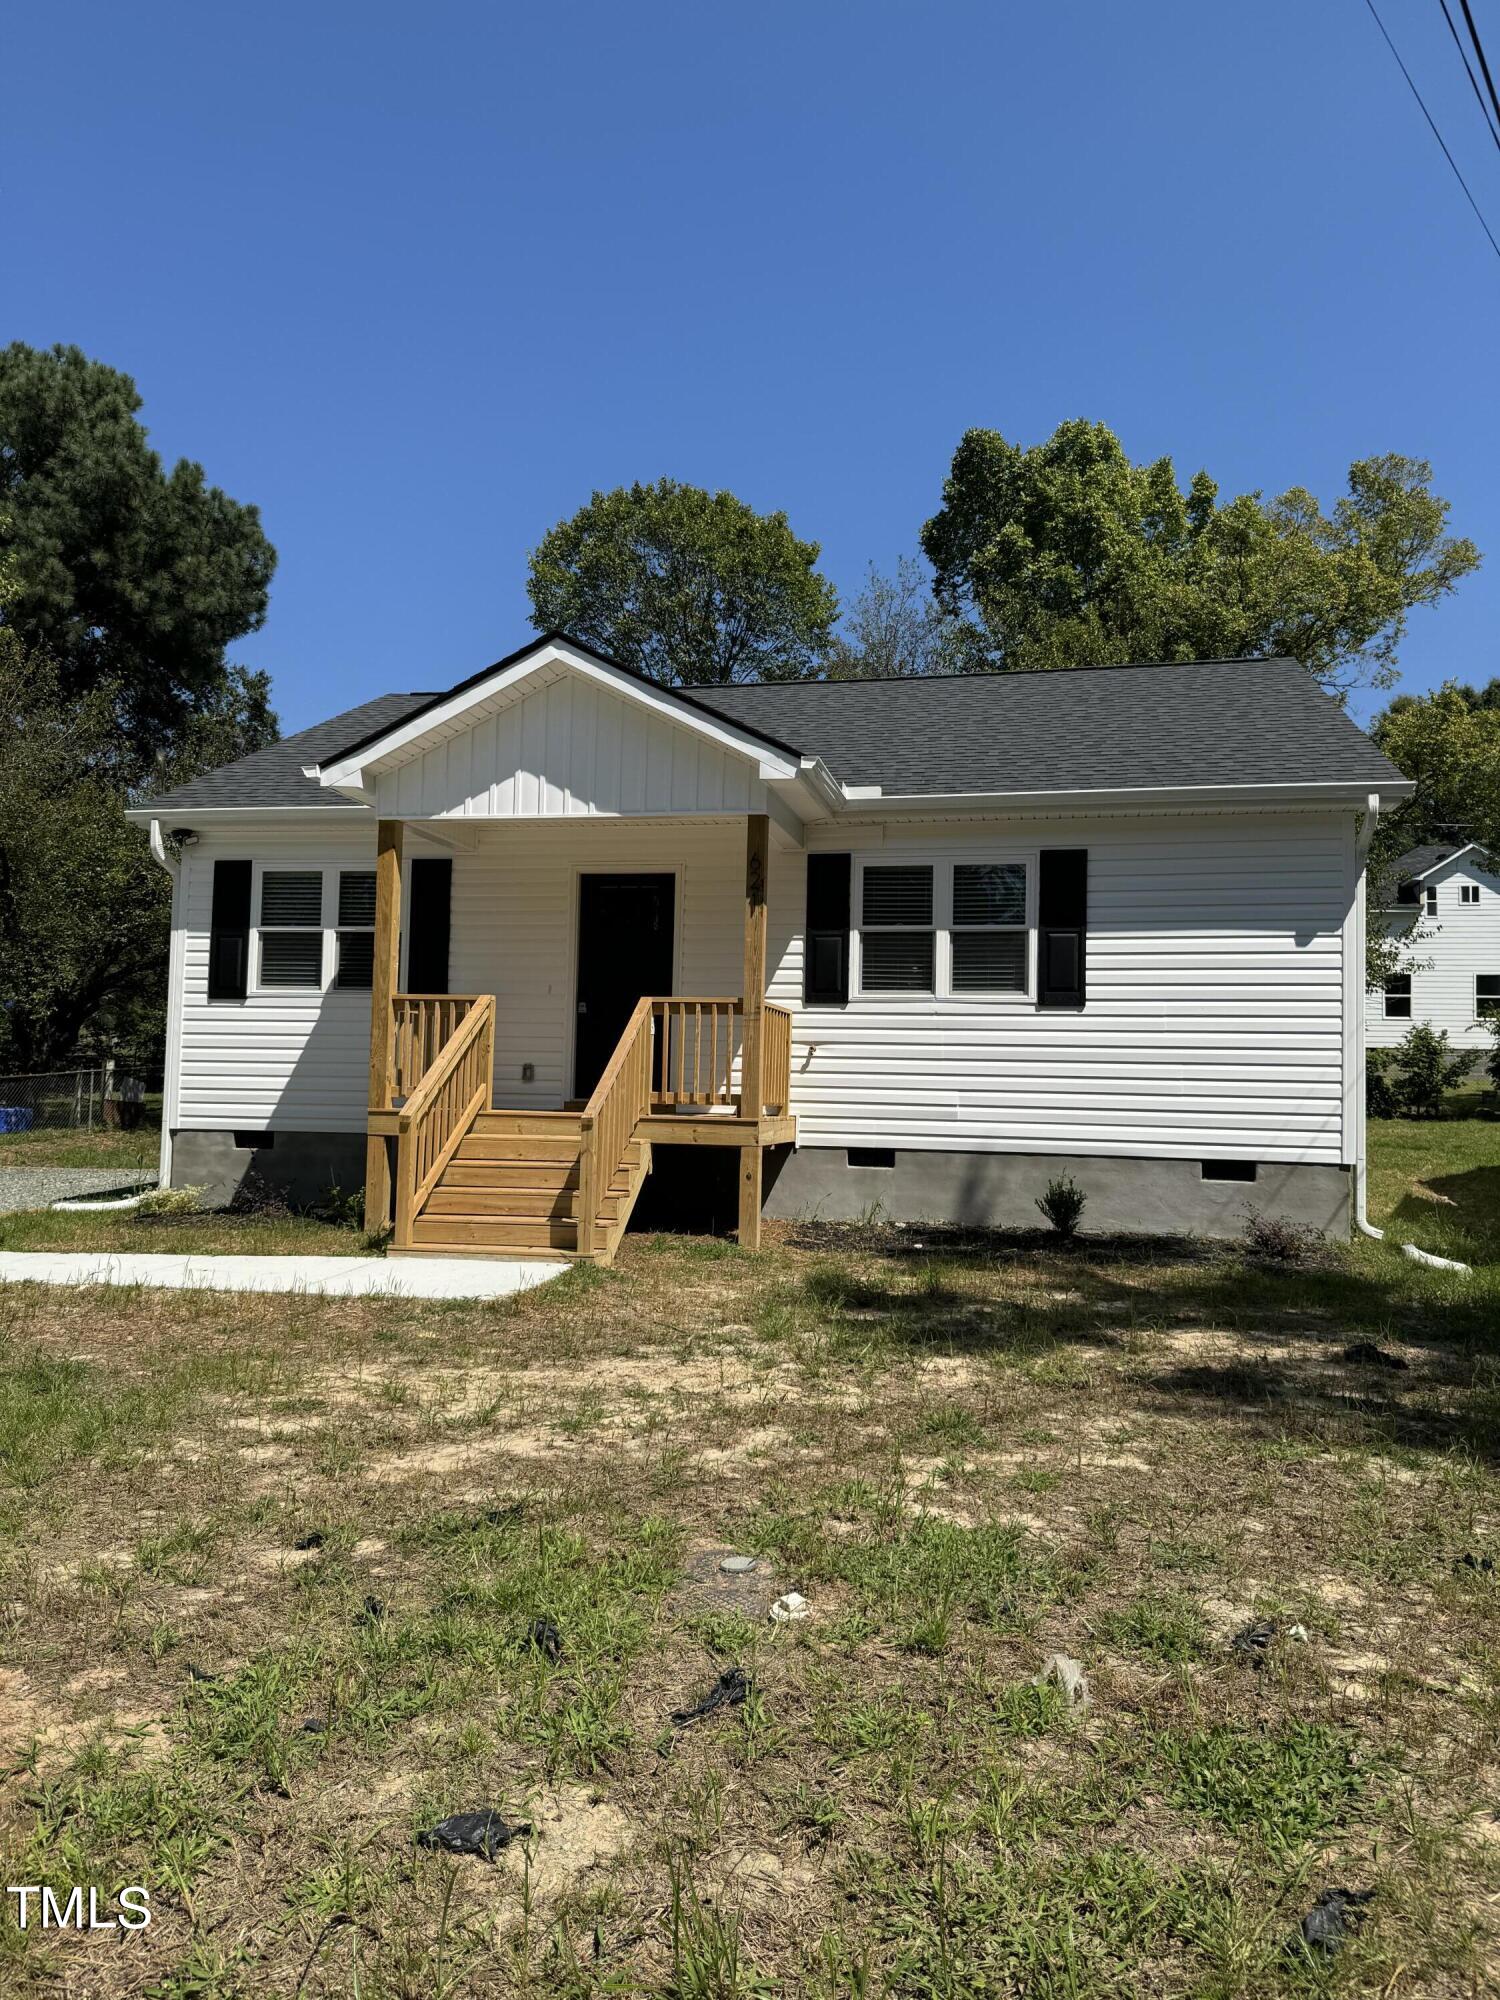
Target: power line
column 1463, row 56
column 1478, row 212
column 1479, row 51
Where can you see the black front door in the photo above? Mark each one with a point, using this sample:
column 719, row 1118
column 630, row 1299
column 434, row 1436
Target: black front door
column 624, row 950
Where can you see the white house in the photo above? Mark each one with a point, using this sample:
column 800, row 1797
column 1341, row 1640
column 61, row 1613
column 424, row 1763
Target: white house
column 1450, row 896
column 912, row 947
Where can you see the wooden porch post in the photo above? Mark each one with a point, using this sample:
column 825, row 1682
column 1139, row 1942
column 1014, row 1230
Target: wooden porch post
column 384, row 978
column 753, row 1048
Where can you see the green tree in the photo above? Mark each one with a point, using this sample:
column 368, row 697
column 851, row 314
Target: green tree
column 83, row 908
column 1068, row 554
column 690, row 588
column 1448, row 743
column 895, row 629
column 1426, row 1069
column 124, row 575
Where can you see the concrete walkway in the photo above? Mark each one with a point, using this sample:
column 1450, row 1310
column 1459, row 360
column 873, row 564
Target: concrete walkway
column 330, row 1277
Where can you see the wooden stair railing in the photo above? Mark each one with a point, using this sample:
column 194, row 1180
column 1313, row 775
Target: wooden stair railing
column 452, row 1090
column 422, row 1025
column 778, row 1059
column 622, row 1097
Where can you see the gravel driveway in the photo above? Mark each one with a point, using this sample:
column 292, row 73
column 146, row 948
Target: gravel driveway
column 36, row 1187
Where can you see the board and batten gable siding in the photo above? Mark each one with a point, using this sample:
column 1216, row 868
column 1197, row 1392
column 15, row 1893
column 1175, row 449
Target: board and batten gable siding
column 565, row 747
column 1461, row 941
column 1220, row 976
column 1217, row 951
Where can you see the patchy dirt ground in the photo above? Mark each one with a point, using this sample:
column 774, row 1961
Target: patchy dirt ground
column 270, row 1570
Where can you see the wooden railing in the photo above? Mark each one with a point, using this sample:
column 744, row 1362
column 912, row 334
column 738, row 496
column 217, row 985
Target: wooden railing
column 778, row 1059
column 422, row 1025
column 622, row 1097
column 698, row 1045
column 453, row 1089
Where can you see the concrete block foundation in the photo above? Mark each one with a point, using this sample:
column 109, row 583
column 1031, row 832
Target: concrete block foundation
column 1000, row 1190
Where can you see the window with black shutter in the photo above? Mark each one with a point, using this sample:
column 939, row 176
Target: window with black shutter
column 356, row 928
column 229, row 932
column 825, row 970
column 1062, row 926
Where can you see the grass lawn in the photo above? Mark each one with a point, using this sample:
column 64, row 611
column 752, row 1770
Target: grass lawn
column 965, row 1453
column 141, row 1148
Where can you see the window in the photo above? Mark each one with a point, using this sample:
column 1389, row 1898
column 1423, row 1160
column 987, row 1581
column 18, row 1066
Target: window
column 989, row 927
column 871, row 1156
column 1432, row 902
column 291, row 927
column 1487, row 996
column 947, row 929
column 1398, row 997
column 1228, row 1170
column 897, row 940
column 356, row 935
column 1468, row 892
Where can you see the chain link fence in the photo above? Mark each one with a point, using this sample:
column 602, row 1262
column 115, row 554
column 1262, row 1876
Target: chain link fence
column 117, row 1094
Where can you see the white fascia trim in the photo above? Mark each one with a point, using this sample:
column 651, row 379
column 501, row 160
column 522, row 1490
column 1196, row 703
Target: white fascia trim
column 241, row 815
column 1124, row 795
column 349, row 773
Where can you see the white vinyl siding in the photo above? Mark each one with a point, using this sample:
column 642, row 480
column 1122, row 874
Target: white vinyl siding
column 1215, row 1019
column 1214, row 1026
column 1454, row 948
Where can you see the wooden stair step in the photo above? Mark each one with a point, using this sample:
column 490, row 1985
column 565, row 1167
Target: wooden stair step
column 523, row 1232
column 539, row 1124
column 503, row 1146
column 554, row 1174
column 449, row 1200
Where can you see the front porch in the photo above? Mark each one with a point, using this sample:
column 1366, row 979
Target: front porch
column 454, row 1169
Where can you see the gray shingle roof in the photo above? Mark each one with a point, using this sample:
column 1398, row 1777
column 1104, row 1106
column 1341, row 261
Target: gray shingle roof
column 1217, row 722
column 1419, row 859
column 273, row 776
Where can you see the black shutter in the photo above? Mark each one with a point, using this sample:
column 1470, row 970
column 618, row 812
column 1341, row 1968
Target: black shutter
column 428, row 926
column 825, row 969
column 1062, row 926
column 229, row 932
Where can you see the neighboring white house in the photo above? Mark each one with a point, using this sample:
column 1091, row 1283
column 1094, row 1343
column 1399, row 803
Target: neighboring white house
column 910, row 946
column 1449, row 895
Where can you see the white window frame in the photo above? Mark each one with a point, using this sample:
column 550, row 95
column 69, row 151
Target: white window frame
column 257, row 985
column 942, row 865
column 1430, row 900
column 1409, row 996
column 1494, row 999
column 1468, row 894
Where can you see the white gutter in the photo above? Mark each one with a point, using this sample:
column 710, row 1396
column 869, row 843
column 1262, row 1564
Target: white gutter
column 1366, row 834
column 162, row 855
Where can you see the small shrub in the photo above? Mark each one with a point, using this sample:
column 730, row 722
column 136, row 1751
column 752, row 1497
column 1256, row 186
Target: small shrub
column 1278, row 1242
column 1380, row 1099
column 345, row 1209
column 171, row 1201
column 255, row 1195
column 1492, row 1060
column 1063, row 1204
column 1426, row 1070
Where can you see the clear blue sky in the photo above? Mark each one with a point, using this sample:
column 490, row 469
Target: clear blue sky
column 417, row 280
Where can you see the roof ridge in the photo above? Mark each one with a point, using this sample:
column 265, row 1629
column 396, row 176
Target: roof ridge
column 711, row 688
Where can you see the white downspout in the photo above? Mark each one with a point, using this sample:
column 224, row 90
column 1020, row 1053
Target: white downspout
column 1366, row 834
column 173, row 865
